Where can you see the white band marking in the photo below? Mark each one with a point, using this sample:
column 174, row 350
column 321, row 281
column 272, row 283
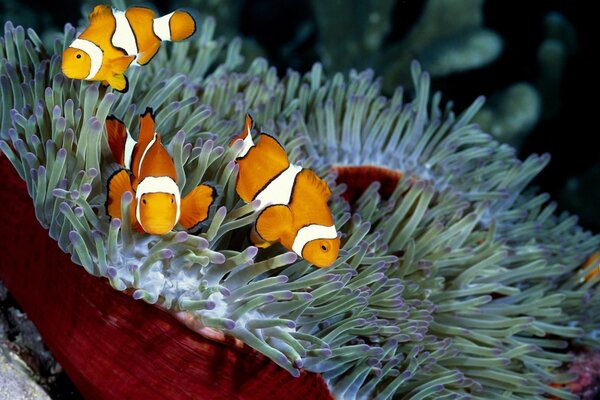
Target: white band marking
column 279, row 190
column 139, row 172
column 312, row 232
column 160, row 184
column 123, row 36
column 248, row 144
column 129, row 145
column 93, row 51
column 161, row 27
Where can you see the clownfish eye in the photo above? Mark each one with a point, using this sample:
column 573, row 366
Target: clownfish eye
column 144, row 201
column 172, row 200
column 324, row 246
column 78, row 55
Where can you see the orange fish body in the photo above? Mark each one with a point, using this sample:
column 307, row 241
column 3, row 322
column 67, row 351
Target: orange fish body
column 114, row 40
column 157, row 205
column 293, row 200
column 594, row 262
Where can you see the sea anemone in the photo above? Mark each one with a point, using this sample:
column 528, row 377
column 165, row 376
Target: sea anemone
column 456, row 282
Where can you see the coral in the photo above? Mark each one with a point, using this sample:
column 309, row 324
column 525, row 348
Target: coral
column 462, row 283
column 586, row 367
column 17, row 380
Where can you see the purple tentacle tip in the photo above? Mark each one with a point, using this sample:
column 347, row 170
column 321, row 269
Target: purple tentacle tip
column 64, row 207
column 228, row 324
column 74, row 237
column 218, row 258
column 251, row 252
column 289, row 257
column 202, row 244
column 115, row 223
column 166, row 254
column 127, row 197
column 181, row 236
column 95, row 125
column 138, row 294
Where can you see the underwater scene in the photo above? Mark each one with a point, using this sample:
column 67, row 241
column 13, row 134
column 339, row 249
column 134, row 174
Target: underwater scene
column 312, row 199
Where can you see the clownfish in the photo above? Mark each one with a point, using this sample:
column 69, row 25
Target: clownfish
column 293, row 200
column 593, row 260
column 114, row 40
column 157, row 205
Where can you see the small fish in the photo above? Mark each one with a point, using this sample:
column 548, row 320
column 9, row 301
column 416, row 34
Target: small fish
column 157, row 205
column 592, row 265
column 293, row 200
column 117, row 39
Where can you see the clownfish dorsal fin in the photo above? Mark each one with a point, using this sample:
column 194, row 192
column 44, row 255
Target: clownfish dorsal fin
column 146, row 127
column 272, row 150
column 116, row 133
column 99, row 12
column 248, row 125
column 318, row 183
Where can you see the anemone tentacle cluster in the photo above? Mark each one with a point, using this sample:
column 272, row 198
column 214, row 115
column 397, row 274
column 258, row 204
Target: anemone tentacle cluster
column 463, row 284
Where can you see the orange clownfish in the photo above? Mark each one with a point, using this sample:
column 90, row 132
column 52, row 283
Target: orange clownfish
column 116, row 39
column 293, row 200
column 157, row 204
column 593, row 260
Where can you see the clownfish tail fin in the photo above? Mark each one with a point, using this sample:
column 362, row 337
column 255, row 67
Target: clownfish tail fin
column 176, row 26
column 116, row 133
column 196, row 205
column 182, row 25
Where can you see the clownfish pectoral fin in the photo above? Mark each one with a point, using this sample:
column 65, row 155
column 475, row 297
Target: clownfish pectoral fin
column 195, row 206
column 118, row 184
column 120, row 64
column 273, row 222
column 257, row 240
column 148, row 53
column 116, row 133
column 119, row 82
column 99, row 12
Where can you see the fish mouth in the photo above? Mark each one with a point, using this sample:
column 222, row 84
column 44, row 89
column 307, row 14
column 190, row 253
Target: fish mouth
column 157, row 229
column 71, row 73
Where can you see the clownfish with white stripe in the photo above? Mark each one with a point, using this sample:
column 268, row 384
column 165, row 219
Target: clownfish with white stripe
column 114, row 40
column 148, row 171
column 293, row 200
